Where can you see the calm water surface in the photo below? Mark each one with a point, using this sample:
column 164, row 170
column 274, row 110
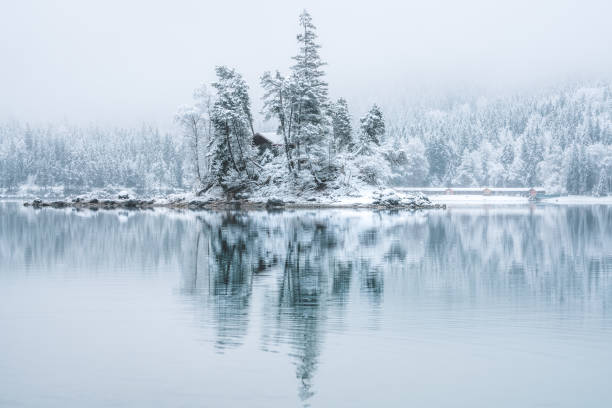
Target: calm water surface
column 469, row 307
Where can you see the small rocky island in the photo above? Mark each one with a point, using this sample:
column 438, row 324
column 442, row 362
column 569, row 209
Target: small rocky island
column 383, row 199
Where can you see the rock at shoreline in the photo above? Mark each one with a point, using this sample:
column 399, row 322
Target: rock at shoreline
column 384, row 199
column 93, row 203
column 275, row 203
column 197, row 203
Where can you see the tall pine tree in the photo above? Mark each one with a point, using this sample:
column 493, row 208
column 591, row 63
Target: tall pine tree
column 341, row 126
column 572, row 181
column 309, row 103
column 230, row 148
column 372, row 126
column 277, row 104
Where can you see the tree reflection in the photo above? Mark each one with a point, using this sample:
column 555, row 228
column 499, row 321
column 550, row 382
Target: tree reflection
column 300, row 272
column 222, row 274
column 301, row 297
column 455, row 257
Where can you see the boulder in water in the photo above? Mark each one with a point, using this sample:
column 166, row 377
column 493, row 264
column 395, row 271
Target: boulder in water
column 274, row 203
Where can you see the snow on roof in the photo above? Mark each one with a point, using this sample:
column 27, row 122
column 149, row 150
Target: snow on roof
column 273, row 137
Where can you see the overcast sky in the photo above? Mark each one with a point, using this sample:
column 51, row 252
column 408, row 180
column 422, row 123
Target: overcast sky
column 120, row 62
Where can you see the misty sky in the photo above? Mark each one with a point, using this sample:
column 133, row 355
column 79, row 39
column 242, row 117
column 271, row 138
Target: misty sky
column 128, row 62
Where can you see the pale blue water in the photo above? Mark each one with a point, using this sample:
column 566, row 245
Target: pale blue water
column 469, row 307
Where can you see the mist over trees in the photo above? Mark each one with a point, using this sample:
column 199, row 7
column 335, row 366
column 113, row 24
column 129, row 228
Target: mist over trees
column 560, row 139
column 80, row 159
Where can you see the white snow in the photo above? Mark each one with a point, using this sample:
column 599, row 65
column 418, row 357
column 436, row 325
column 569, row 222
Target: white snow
column 576, row 199
column 442, row 190
column 472, row 199
column 469, row 199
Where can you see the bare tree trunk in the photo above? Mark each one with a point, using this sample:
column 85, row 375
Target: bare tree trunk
column 281, row 118
column 299, row 134
column 251, row 125
column 290, row 139
column 196, row 152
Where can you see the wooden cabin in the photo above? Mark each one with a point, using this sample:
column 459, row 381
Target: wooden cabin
column 268, row 139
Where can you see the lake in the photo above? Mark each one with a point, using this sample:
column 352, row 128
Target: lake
column 465, row 307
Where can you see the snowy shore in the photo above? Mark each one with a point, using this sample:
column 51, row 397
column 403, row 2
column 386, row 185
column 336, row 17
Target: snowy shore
column 576, row 199
column 380, row 199
column 369, row 197
column 467, row 200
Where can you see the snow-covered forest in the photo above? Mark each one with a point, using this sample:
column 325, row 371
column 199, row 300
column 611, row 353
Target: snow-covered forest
column 80, row 159
column 560, row 139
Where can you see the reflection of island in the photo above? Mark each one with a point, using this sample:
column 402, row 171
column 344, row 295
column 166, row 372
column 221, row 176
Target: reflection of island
column 321, row 261
column 221, row 272
column 300, row 277
column 302, row 298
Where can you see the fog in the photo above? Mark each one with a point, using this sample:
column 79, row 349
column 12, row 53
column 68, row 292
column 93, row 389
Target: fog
column 124, row 63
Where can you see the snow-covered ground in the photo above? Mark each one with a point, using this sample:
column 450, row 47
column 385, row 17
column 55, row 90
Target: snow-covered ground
column 341, row 198
column 471, row 199
column 575, row 199
column 357, row 196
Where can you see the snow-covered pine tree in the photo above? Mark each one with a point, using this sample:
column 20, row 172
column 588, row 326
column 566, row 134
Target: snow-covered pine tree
column 408, row 163
column 277, row 104
column 531, row 152
column 485, row 152
column 173, row 161
column 586, row 176
column 601, row 189
column 468, row 172
column 341, row 125
column 438, row 156
column 550, row 169
column 572, row 180
column 230, row 148
column 309, row 103
column 372, row 126
column 507, row 156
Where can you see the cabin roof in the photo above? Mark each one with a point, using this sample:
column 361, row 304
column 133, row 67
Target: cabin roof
column 272, row 137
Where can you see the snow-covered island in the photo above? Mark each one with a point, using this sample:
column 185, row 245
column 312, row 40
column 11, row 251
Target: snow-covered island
column 375, row 199
column 309, row 151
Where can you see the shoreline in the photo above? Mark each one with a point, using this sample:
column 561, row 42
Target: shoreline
column 389, row 201
column 144, row 204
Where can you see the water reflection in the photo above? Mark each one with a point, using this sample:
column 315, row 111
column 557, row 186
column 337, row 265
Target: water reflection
column 294, row 275
column 556, row 256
